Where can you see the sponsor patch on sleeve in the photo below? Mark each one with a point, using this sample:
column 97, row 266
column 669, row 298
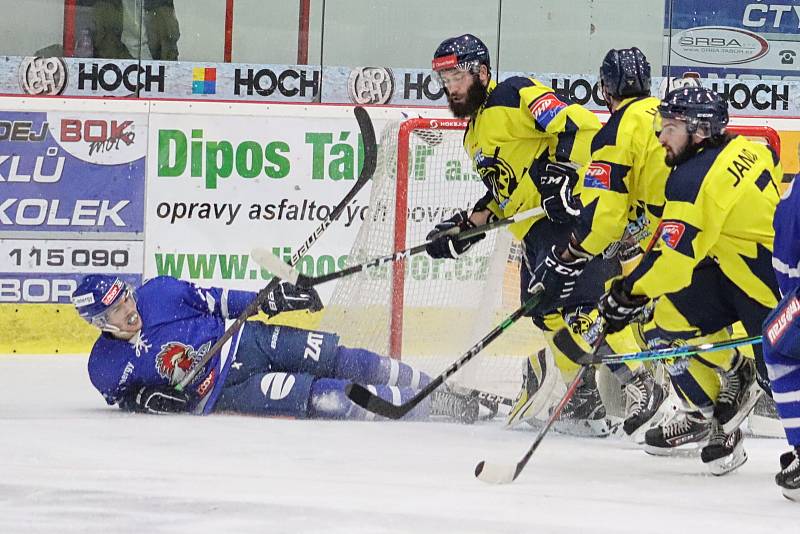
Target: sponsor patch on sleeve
column 545, row 108
column 672, row 232
column 777, row 327
column 598, row 176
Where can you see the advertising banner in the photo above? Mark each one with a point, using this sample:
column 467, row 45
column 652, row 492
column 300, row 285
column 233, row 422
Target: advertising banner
column 71, row 199
column 222, row 183
column 740, row 83
column 741, row 39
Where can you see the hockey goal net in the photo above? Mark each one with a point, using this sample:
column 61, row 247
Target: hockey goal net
column 426, row 311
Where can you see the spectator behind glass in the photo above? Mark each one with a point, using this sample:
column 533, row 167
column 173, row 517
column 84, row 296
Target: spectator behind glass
column 119, row 34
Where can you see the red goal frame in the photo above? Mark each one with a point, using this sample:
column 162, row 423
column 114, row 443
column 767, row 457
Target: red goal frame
column 401, row 206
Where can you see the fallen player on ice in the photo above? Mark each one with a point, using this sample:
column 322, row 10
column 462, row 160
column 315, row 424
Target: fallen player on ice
column 154, row 336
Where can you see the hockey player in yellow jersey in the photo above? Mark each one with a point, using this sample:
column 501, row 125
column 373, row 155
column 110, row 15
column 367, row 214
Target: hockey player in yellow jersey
column 529, row 146
column 622, row 197
column 709, row 265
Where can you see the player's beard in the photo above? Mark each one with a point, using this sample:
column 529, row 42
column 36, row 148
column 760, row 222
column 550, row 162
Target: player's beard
column 682, row 156
column 476, row 95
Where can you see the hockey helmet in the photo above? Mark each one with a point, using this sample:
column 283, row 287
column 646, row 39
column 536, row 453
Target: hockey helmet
column 703, row 110
column 625, row 73
column 671, row 83
column 465, row 52
column 98, row 294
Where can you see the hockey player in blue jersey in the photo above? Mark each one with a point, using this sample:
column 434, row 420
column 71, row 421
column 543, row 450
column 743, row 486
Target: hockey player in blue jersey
column 154, row 335
column 782, row 336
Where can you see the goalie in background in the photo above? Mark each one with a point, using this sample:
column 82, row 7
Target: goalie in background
column 154, row 336
column 528, row 145
column 709, row 265
column 782, row 336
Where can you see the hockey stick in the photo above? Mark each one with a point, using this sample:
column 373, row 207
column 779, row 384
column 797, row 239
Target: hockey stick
column 367, row 170
column 505, row 474
column 669, row 352
column 281, row 269
column 369, row 401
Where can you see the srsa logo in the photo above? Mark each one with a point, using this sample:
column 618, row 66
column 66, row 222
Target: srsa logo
column 598, row 176
column 719, row 45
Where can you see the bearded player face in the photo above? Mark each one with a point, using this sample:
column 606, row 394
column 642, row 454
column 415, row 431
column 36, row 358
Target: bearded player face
column 465, row 92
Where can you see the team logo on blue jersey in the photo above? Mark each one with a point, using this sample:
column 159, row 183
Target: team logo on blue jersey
column 175, row 360
column 598, row 176
column 497, row 175
column 671, row 233
column 545, row 108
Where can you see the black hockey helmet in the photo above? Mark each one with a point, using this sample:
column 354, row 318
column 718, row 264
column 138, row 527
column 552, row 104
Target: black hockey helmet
column 705, row 112
column 465, row 52
column 625, row 73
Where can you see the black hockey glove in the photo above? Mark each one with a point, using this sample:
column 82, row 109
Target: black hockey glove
column 619, row 308
column 556, row 278
column 447, row 246
column 555, row 182
column 156, row 399
column 287, row 297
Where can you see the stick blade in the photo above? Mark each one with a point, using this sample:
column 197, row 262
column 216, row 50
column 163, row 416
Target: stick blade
column 495, row 473
column 275, row 265
column 373, row 403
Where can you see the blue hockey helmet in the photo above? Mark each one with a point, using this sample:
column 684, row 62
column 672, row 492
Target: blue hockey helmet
column 625, row 73
column 703, row 110
column 96, row 295
column 465, row 52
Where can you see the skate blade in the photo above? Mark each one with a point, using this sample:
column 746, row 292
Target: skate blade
column 728, row 464
column 791, row 494
column 683, row 451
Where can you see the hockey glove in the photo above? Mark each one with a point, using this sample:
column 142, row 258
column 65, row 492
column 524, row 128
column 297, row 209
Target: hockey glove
column 619, row 308
column 556, row 278
column 447, row 245
column 287, row 297
column 157, row 399
column 555, row 182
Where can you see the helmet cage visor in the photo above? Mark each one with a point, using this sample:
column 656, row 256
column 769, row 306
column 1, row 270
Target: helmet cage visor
column 447, row 70
column 698, row 124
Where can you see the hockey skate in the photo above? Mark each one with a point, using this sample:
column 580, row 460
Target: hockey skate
column 584, row 415
column 724, row 452
column 738, row 395
column 643, row 411
column 539, row 379
column 461, row 408
column 679, row 436
column 789, row 476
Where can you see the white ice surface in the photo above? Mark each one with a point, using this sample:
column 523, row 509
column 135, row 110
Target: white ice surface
column 70, row 464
